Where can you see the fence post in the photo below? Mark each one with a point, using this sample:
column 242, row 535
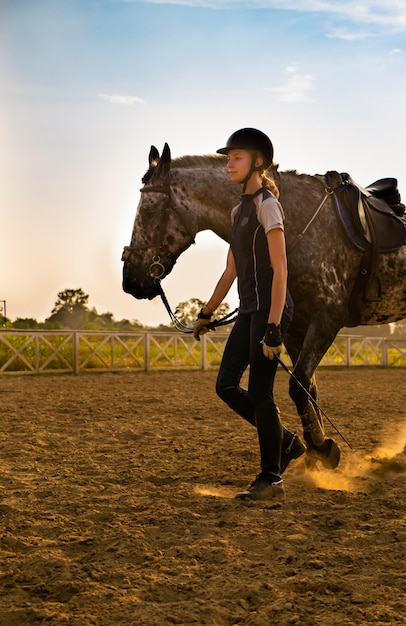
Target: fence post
column 203, row 348
column 146, row 352
column 384, row 352
column 36, row 354
column 112, row 352
column 348, row 351
column 75, row 341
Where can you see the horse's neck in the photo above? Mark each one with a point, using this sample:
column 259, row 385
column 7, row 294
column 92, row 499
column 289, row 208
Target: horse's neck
column 210, row 196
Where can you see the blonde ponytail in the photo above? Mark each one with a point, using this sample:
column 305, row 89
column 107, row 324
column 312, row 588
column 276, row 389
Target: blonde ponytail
column 270, row 184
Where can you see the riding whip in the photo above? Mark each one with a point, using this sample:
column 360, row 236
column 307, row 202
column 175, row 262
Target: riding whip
column 297, row 381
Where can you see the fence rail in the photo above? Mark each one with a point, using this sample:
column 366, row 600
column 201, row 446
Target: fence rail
column 48, row 351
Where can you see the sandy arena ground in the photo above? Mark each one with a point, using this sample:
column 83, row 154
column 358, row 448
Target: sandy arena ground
column 117, row 508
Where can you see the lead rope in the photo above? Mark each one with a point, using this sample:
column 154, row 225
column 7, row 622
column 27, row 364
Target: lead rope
column 181, row 327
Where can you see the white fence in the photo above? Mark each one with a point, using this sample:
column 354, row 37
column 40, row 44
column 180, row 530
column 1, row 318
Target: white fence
column 47, row 351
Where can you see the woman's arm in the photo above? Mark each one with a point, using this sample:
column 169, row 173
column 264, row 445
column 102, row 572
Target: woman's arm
column 220, row 291
column 277, row 254
column 223, row 286
column 272, row 342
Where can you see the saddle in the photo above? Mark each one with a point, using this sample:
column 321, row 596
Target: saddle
column 374, row 220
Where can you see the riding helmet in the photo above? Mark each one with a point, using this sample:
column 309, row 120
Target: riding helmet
column 250, row 139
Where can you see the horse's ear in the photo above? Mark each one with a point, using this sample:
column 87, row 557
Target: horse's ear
column 164, row 163
column 153, row 159
column 166, row 156
column 153, row 156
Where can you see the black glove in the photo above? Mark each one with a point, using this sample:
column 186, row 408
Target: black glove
column 272, row 341
column 200, row 325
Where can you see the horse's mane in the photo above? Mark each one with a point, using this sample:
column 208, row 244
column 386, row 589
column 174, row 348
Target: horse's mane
column 188, row 161
column 198, row 160
column 211, row 159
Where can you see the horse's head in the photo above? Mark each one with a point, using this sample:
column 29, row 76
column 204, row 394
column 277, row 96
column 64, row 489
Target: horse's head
column 163, row 229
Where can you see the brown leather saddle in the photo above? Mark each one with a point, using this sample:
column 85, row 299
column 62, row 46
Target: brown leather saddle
column 374, row 220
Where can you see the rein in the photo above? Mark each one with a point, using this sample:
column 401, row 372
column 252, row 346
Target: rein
column 227, row 319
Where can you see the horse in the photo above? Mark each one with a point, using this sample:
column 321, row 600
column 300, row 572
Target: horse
column 183, row 196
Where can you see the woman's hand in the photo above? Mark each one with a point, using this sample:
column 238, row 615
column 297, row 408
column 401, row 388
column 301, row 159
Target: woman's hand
column 272, row 341
column 200, row 325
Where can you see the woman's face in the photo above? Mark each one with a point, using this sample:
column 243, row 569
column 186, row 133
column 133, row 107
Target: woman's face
column 239, row 164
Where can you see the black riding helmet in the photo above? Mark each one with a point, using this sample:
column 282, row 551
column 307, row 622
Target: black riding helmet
column 250, row 139
column 254, row 140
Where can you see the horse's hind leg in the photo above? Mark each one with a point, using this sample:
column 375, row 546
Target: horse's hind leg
column 306, row 349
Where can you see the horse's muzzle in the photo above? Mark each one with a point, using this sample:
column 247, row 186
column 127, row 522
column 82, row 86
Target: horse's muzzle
column 144, row 288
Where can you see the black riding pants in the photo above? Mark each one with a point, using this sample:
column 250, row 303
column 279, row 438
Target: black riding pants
column 256, row 404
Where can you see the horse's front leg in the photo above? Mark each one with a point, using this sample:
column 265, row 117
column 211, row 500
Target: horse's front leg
column 306, row 345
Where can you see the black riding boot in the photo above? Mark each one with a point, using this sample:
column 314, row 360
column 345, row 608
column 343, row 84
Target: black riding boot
column 268, row 485
column 270, row 435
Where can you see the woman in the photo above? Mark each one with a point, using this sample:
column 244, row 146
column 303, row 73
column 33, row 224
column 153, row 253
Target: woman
column 257, row 258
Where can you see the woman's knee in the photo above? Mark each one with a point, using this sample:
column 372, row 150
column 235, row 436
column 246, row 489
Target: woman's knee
column 267, row 406
column 224, row 392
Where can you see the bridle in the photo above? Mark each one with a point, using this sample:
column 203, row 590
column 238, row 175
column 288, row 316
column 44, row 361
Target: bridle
column 156, row 268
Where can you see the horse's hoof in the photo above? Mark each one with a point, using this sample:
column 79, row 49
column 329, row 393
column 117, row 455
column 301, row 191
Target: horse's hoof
column 328, row 453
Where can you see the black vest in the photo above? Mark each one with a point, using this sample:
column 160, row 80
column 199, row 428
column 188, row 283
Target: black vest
column 249, row 246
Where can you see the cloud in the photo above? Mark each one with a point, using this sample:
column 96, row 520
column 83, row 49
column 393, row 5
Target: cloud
column 390, row 14
column 296, row 88
column 375, row 17
column 117, row 99
column 347, row 35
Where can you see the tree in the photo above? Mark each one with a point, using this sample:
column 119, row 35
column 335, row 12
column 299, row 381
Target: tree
column 125, row 324
column 71, row 309
column 188, row 311
column 25, row 322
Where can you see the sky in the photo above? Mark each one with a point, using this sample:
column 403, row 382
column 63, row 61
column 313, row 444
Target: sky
column 87, row 86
